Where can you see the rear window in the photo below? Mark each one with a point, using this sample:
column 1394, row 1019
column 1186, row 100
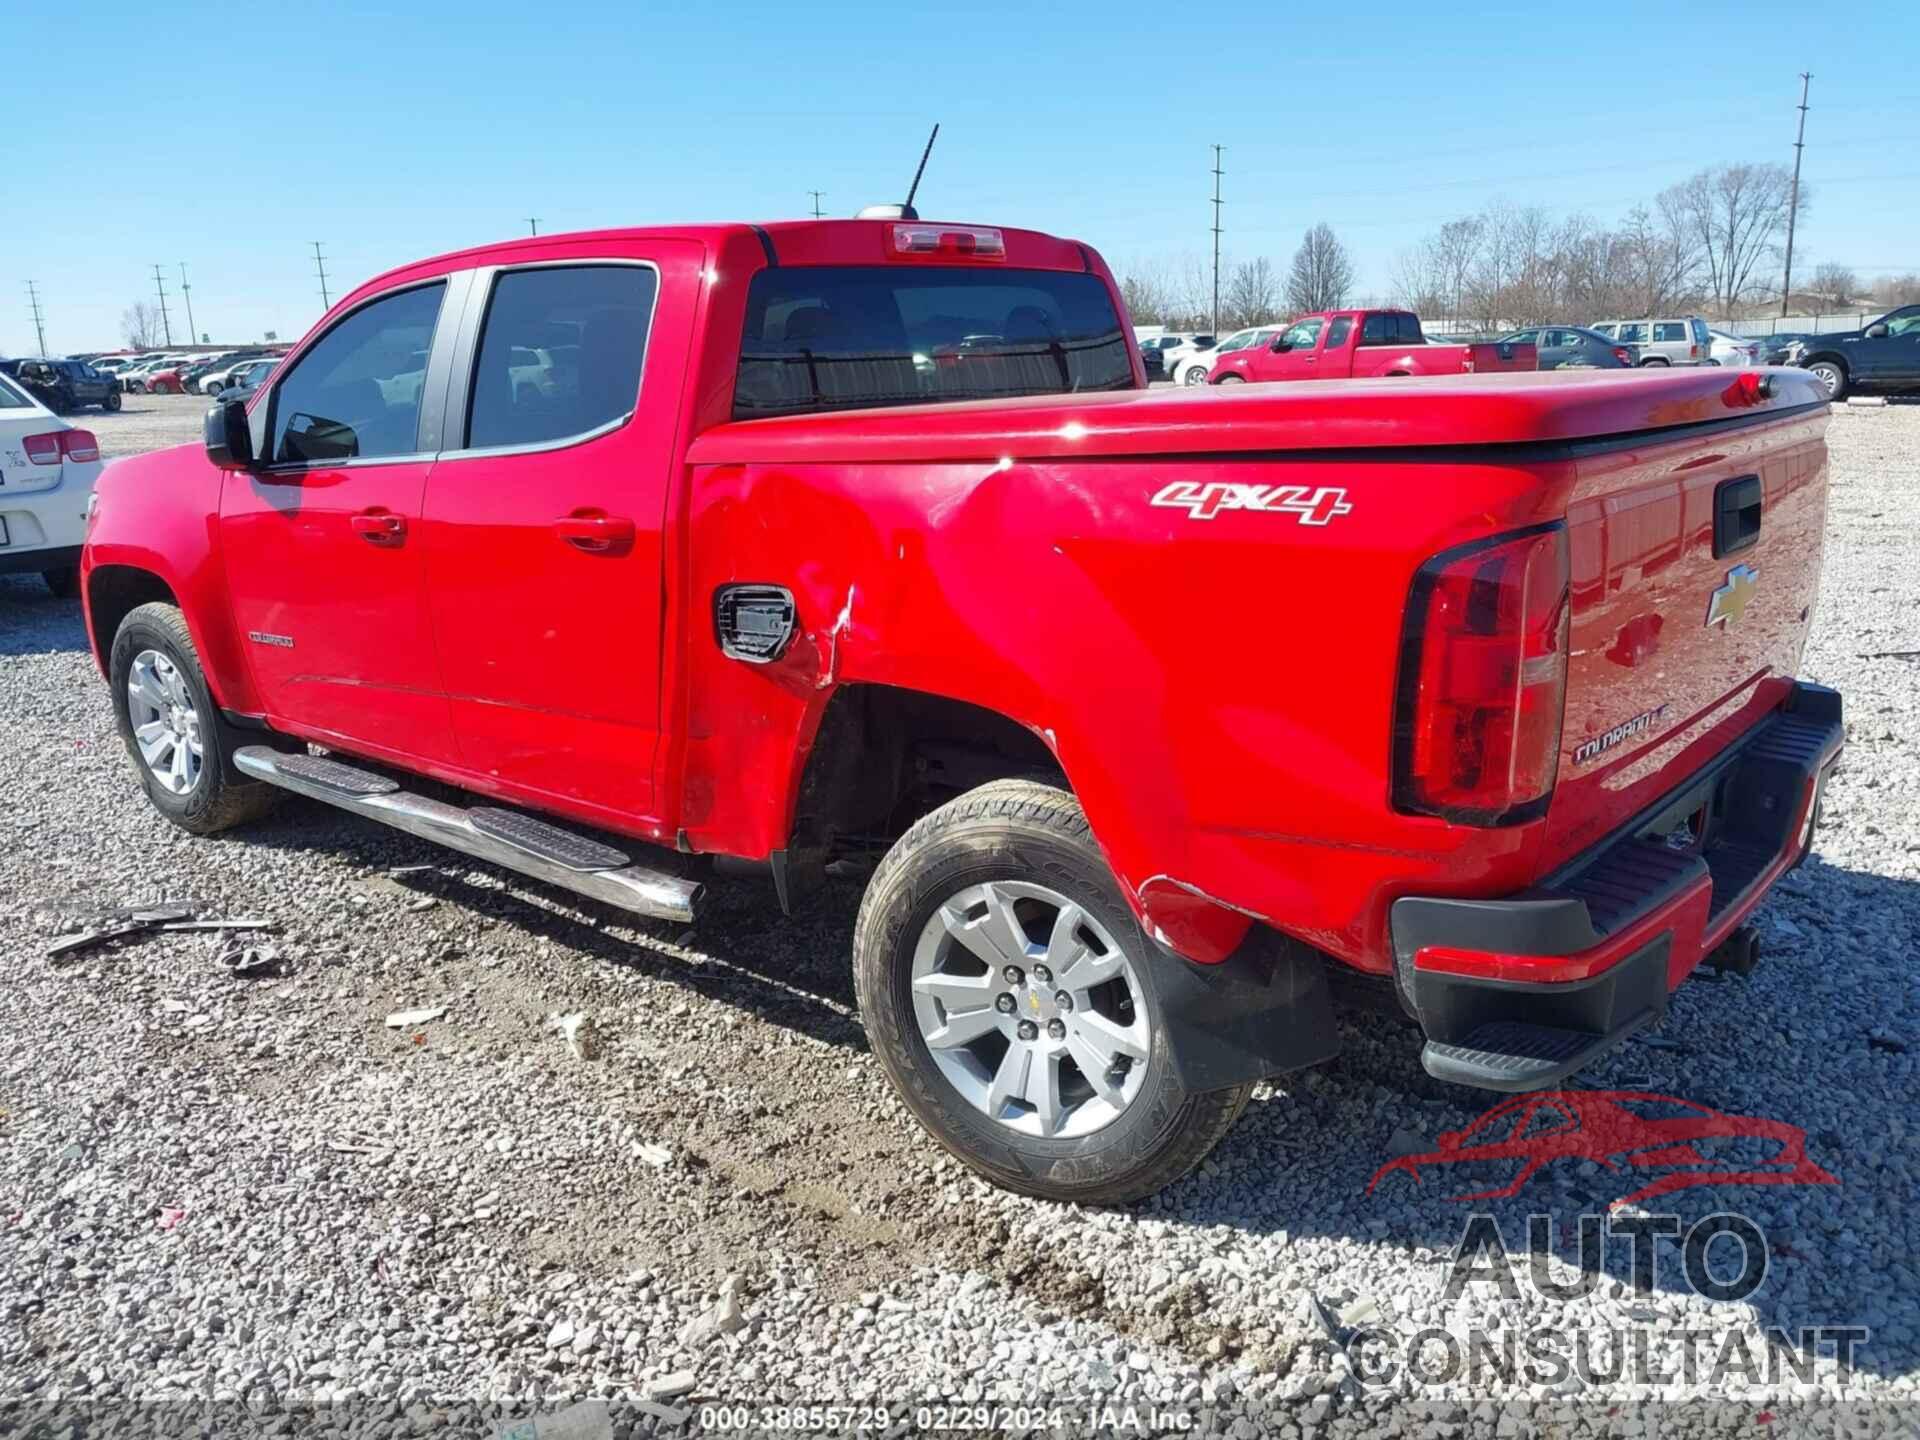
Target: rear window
column 846, row 337
column 12, row 399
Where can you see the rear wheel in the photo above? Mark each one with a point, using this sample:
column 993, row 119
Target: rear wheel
column 180, row 746
column 1195, row 375
column 1833, row 375
column 1011, row 997
column 1231, row 380
column 1656, row 360
column 111, row 401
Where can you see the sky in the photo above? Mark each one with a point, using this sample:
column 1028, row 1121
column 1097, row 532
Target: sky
column 233, row 138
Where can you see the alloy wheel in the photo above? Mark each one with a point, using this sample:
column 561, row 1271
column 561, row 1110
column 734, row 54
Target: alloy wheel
column 166, row 723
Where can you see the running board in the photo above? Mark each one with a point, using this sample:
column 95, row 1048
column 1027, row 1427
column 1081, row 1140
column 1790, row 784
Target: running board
column 518, row 842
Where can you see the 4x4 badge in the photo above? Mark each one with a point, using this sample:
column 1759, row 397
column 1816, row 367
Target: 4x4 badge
column 1314, row 506
column 1730, row 601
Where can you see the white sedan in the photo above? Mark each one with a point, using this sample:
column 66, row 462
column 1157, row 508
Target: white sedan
column 1194, row 367
column 47, row 473
column 1736, row 350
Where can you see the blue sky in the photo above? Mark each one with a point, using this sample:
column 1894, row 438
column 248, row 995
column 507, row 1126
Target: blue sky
column 232, row 138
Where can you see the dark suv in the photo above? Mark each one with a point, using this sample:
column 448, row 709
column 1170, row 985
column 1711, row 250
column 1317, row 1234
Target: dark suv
column 63, row 385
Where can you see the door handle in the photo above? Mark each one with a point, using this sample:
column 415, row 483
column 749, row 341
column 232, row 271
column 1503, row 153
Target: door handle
column 594, row 532
column 380, row 527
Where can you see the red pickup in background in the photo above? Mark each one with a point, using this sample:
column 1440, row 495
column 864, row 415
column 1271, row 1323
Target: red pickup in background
column 1360, row 344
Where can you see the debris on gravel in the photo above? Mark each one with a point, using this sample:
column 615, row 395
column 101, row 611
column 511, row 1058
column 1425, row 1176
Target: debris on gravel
column 262, row 1194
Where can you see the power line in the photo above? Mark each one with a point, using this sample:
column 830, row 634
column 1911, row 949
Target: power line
column 160, row 285
column 816, row 194
column 39, row 321
column 1217, row 173
column 186, row 294
column 1793, row 200
column 320, row 264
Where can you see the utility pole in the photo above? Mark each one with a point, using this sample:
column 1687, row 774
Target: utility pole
column 533, row 223
column 39, row 321
column 816, row 194
column 160, row 285
column 1217, row 173
column 320, row 264
column 187, row 295
column 1793, row 200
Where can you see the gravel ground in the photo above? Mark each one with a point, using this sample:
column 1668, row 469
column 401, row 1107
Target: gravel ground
column 221, row 1188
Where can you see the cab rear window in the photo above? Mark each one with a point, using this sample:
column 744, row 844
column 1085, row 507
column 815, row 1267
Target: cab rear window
column 850, row 337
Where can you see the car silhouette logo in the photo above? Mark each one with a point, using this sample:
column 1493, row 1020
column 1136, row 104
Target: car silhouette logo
column 1622, row 1130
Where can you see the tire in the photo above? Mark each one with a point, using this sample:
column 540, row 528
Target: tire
column 1194, row 375
column 1650, row 364
column 217, row 797
column 1833, row 375
column 111, row 402
column 63, row 582
column 1231, row 380
column 1031, row 837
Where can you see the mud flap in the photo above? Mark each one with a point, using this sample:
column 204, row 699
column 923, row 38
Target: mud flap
column 1261, row 1012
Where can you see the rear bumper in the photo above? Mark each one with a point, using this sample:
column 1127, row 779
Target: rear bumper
column 32, row 561
column 1517, row 994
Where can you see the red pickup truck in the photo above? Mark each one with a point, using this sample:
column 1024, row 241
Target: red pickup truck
column 1363, row 344
column 1174, row 717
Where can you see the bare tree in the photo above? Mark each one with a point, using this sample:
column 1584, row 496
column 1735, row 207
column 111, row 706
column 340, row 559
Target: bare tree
column 1836, row 282
column 1455, row 250
column 1145, row 294
column 1322, row 273
column 1418, row 282
column 1253, row 293
column 1660, row 255
column 140, row 324
column 1897, row 290
column 1736, row 214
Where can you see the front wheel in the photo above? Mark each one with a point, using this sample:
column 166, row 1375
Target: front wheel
column 1833, row 375
column 1195, row 375
column 172, row 729
column 1011, row 998
column 110, row 401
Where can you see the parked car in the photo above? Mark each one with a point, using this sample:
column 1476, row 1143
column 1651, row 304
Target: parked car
column 1878, row 359
column 193, row 372
column 1158, row 351
column 1569, row 347
column 47, row 472
column 136, row 378
column 166, row 379
column 1361, row 344
column 1783, row 348
column 64, row 385
column 1736, row 350
column 1194, row 369
column 1154, row 362
column 1682, row 341
column 1089, row 936
column 244, row 376
column 1177, row 355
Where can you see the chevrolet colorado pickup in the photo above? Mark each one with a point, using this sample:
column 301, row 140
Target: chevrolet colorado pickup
column 1173, row 715
column 1358, row 344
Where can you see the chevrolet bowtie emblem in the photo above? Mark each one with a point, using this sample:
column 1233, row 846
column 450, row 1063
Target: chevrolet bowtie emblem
column 1731, row 599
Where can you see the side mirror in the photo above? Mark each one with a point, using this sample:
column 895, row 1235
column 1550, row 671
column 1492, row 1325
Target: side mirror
column 1280, row 345
column 229, row 438
column 1877, row 331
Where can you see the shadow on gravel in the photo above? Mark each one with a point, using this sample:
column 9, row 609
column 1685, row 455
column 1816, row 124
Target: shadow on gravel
column 33, row 622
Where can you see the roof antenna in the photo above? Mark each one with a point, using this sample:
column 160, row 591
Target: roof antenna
column 906, row 211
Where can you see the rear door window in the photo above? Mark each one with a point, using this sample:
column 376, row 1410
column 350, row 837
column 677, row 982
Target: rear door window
column 356, row 394
column 1338, row 331
column 560, row 353
column 1633, row 333
column 838, row 337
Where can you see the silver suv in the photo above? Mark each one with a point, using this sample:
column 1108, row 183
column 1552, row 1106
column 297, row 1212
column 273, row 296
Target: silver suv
column 1684, row 341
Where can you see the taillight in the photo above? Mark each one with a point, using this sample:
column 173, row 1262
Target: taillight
column 1623, row 355
column 1483, row 681
column 947, row 242
column 80, row 445
column 1693, row 352
column 43, row 449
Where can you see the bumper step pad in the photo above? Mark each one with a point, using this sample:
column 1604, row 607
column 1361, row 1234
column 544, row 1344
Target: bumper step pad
column 1514, row 1055
column 550, row 842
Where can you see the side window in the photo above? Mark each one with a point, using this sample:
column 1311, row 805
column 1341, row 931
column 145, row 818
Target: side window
column 1303, row 335
column 560, row 353
column 1338, row 331
column 1410, row 330
column 1633, row 333
column 356, row 393
column 1669, row 332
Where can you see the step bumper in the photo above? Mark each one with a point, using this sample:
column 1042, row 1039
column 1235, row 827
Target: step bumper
column 1518, row 993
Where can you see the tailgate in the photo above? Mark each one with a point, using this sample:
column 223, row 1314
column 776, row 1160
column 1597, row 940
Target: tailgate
column 1694, row 565
column 1493, row 357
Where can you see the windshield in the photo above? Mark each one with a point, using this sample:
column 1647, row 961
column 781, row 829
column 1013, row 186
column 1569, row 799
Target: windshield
column 838, row 337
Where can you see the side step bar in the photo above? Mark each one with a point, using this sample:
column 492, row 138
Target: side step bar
column 508, row 838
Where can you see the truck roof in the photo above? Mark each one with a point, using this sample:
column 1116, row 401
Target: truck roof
column 1533, row 407
column 787, row 242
